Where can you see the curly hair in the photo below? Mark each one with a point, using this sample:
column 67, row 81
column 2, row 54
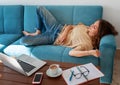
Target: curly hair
column 105, row 28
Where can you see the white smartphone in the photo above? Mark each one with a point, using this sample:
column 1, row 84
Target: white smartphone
column 37, row 78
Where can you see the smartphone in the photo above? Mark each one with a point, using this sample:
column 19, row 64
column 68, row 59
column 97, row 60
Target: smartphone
column 37, row 78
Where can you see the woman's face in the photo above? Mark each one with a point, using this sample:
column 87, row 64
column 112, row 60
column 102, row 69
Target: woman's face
column 93, row 29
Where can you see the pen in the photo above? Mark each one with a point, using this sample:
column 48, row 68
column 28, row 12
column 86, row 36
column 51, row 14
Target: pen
column 72, row 73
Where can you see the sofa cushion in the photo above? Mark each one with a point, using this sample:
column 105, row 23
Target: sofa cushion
column 60, row 53
column 78, row 60
column 7, row 39
column 30, row 18
column 48, row 52
column 1, row 19
column 11, row 19
column 63, row 14
column 87, row 14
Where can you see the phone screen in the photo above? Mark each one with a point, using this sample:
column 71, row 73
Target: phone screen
column 37, row 77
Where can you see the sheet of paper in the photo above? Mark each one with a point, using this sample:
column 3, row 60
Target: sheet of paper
column 92, row 74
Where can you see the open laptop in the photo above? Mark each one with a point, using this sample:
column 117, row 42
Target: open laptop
column 24, row 64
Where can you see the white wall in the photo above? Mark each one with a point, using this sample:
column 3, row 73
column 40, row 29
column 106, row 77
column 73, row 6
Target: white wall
column 111, row 10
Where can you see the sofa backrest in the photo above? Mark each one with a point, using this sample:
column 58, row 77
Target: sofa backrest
column 64, row 14
column 76, row 14
column 16, row 18
column 30, row 18
column 11, row 19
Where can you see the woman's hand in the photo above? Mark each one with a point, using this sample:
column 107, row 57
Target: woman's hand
column 62, row 37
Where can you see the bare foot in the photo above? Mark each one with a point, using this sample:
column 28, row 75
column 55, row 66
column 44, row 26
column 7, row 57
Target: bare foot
column 38, row 32
column 25, row 33
column 95, row 53
column 31, row 34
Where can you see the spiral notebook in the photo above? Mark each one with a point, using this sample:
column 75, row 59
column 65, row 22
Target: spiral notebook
column 81, row 74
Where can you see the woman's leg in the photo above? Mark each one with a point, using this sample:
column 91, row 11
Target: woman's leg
column 41, row 39
column 47, row 18
column 49, row 21
column 52, row 26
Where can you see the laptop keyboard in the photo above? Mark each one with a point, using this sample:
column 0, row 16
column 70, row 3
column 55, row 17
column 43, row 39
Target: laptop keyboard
column 26, row 67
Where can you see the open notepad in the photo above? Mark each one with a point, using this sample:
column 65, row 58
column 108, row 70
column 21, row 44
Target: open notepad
column 81, row 74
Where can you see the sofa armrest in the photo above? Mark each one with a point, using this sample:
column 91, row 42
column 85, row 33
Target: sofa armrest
column 107, row 49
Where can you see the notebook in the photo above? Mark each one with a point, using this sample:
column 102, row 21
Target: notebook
column 24, row 64
column 81, row 74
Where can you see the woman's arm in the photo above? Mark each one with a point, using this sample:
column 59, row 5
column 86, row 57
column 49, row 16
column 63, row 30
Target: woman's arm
column 78, row 53
column 64, row 34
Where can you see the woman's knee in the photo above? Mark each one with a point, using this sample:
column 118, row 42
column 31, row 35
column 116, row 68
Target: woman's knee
column 41, row 10
column 24, row 41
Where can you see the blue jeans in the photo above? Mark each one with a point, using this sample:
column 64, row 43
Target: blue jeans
column 51, row 27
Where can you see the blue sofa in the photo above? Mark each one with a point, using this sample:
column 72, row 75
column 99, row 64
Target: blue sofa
column 16, row 18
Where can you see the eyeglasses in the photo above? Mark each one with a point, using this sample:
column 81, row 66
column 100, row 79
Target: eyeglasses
column 83, row 71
